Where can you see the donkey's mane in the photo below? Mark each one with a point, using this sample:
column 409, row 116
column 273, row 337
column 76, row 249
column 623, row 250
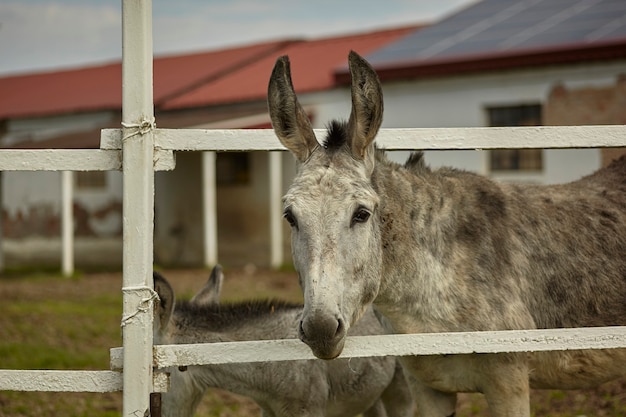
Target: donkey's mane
column 337, row 135
column 216, row 317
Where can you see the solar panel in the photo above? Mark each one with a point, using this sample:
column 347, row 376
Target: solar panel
column 493, row 26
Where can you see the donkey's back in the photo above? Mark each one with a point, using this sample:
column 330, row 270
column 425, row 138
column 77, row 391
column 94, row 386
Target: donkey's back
column 556, row 257
column 573, row 237
column 568, row 242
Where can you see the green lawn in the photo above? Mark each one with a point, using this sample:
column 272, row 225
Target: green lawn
column 49, row 322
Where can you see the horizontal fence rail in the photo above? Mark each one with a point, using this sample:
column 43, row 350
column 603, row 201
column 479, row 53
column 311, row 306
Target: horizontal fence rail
column 74, row 160
column 166, row 141
column 506, row 341
column 60, row 381
column 68, row 381
column 392, row 139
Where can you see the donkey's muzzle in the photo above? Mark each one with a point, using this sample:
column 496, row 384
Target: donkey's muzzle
column 325, row 335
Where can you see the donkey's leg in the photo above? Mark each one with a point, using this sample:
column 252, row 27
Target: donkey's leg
column 376, row 410
column 397, row 396
column 184, row 394
column 506, row 385
column 430, row 402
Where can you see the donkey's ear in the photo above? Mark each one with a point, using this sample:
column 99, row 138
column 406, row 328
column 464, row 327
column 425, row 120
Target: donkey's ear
column 210, row 293
column 289, row 120
column 165, row 304
column 367, row 105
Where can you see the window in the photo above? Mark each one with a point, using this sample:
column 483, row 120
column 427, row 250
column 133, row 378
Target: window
column 515, row 159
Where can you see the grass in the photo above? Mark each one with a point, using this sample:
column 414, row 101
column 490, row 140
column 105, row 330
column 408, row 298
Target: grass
column 46, row 323
column 51, row 322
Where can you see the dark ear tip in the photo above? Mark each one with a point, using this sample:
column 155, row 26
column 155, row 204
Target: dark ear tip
column 281, row 69
column 282, row 62
column 355, row 58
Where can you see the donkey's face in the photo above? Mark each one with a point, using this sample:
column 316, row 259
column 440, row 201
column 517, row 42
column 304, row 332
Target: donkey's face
column 332, row 207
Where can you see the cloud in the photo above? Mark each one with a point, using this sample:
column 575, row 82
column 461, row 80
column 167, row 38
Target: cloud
column 57, row 34
column 194, row 25
column 38, row 34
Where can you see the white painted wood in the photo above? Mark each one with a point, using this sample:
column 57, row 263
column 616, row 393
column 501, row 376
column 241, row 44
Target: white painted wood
column 203, row 139
column 276, row 193
column 69, row 381
column 60, row 160
column 60, row 381
column 393, row 139
column 209, row 208
column 138, row 205
column 67, row 223
column 385, row 345
column 74, row 160
column 164, row 160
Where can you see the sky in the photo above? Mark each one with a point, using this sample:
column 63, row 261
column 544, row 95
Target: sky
column 40, row 35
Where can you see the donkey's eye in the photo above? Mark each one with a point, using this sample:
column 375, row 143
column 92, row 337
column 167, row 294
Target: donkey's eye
column 361, row 215
column 291, row 219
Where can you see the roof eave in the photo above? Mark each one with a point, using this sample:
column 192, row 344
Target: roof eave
column 51, row 113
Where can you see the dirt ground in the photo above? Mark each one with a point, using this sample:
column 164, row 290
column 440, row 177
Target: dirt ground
column 240, row 283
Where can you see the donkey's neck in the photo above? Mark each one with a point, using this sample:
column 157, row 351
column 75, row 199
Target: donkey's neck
column 429, row 222
column 262, row 320
column 255, row 320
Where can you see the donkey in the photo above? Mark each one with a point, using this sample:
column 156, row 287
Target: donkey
column 447, row 250
column 375, row 387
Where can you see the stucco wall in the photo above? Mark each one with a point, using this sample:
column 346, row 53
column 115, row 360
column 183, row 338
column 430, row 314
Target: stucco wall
column 462, row 102
column 31, row 206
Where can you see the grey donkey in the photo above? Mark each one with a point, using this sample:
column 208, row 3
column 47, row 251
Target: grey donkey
column 375, row 387
column 447, row 250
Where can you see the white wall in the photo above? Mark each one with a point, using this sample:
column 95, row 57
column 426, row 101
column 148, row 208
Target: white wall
column 23, row 192
column 462, row 101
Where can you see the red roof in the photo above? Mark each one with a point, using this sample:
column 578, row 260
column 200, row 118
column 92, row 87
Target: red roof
column 100, row 88
column 62, row 92
column 192, row 80
column 312, row 62
column 178, row 74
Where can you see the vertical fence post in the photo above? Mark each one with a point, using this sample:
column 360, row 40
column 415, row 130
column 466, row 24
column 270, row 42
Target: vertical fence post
column 209, row 208
column 276, row 230
column 67, row 223
column 138, row 200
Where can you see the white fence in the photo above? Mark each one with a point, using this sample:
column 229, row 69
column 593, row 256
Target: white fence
column 146, row 149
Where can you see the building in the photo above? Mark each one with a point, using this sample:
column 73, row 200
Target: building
column 495, row 63
column 215, row 89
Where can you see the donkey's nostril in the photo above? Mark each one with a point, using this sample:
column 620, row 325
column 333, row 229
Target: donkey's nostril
column 340, row 327
column 301, row 332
